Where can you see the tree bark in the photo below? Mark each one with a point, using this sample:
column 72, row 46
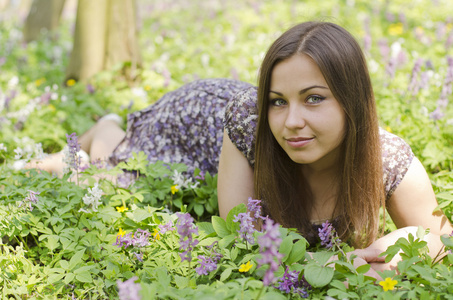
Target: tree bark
column 44, row 16
column 105, row 36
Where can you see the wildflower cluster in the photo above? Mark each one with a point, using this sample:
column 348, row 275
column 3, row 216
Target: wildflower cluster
column 71, row 157
column 208, row 263
column 169, row 226
column 93, row 198
column 139, row 239
column 31, row 198
column 181, row 182
column 186, row 229
column 128, row 290
column 328, row 235
column 290, row 283
column 248, row 219
column 269, row 243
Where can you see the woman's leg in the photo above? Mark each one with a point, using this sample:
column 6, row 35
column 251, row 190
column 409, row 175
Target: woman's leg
column 99, row 142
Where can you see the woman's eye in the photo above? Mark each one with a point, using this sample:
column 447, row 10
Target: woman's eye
column 314, row 99
column 278, row 102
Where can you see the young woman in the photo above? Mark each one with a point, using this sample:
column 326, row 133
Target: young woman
column 319, row 153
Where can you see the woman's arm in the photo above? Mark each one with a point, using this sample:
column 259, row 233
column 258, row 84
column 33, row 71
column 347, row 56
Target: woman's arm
column 235, row 177
column 412, row 205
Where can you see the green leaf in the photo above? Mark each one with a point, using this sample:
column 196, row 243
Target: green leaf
column 297, row 252
column 318, row 276
column 76, row 259
column 220, row 227
column 54, row 278
column 64, row 264
column 285, row 247
column 199, row 209
column 181, row 281
column 363, row 269
column 141, row 214
column 69, row 278
column 226, row 241
column 231, row 225
column 447, row 240
column 84, row 277
column 225, row 274
column 206, row 227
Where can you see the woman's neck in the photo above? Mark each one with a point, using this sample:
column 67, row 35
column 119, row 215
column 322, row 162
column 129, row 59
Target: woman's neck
column 324, row 187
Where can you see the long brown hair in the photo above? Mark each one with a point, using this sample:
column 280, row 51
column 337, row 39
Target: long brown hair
column 277, row 180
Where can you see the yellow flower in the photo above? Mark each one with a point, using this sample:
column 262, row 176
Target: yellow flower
column 388, row 129
column 156, row 234
column 51, row 107
column 121, row 232
column 174, row 189
column 396, row 29
column 70, row 82
column 121, row 208
column 388, row 284
column 147, row 87
column 245, row 267
column 40, row 81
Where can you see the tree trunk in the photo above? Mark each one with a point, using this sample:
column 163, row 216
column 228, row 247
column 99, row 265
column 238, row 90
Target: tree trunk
column 105, row 36
column 44, row 16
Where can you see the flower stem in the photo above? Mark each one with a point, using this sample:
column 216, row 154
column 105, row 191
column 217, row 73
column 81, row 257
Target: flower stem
column 261, row 291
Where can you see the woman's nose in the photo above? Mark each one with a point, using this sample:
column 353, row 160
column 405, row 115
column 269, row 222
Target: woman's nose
column 295, row 119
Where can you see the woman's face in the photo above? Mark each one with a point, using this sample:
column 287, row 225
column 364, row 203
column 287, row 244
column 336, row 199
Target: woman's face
column 304, row 117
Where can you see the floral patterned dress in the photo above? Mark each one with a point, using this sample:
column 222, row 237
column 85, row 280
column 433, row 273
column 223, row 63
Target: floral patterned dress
column 184, row 126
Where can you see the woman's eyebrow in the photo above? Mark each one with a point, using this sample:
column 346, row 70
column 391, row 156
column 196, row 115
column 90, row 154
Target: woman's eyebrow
column 303, row 91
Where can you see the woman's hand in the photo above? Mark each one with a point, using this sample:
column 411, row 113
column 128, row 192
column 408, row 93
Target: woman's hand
column 368, row 256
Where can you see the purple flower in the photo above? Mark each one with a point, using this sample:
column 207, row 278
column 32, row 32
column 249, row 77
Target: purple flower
column 254, row 207
column 207, row 265
column 128, row 290
column 139, row 256
column 247, row 228
column 167, row 227
column 290, row 283
column 90, row 88
column 186, row 229
column 200, row 176
column 139, row 239
column 269, row 243
column 414, row 85
column 31, row 198
column 72, row 159
column 328, row 235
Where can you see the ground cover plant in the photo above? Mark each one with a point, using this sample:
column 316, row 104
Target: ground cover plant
column 160, row 236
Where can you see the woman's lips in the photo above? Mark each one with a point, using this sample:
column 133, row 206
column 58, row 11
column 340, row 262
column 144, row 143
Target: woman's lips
column 298, row 142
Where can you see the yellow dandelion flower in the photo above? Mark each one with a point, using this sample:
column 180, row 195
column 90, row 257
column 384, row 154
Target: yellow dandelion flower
column 70, row 82
column 40, row 81
column 121, row 232
column 174, row 189
column 121, row 208
column 396, row 29
column 156, row 234
column 51, row 107
column 245, row 267
column 388, row 284
column 147, row 87
column 388, row 129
